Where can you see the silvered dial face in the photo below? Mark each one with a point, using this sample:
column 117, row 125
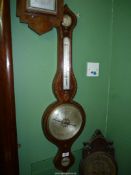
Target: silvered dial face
column 66, row 21
column 65, row 121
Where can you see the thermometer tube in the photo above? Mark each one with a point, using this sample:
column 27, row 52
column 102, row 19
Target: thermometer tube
column 66, row 63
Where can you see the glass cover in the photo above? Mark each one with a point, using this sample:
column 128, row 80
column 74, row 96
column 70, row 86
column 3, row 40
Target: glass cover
column 42, row 5
column 65, row 121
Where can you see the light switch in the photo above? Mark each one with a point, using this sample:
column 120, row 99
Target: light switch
column 92, row 69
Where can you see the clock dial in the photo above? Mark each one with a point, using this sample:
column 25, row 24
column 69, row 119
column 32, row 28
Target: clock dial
column 64, row 122
column 99, row 163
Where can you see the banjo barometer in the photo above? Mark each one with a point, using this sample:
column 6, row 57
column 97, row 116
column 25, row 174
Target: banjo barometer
column 64, row 120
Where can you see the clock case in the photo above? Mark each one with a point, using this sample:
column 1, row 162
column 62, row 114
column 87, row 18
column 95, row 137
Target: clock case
column 63, row 96
column 100, row 150
column 40, row 21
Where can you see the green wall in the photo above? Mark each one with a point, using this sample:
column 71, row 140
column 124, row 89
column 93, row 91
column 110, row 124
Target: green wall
column 35, row 59
column 119, row 119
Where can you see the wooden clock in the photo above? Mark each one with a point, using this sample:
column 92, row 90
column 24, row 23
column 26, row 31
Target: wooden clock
column 64, row 120
column 40, row 15
column 98, row 157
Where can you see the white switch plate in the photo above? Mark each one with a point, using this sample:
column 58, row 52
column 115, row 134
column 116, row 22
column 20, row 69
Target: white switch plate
column 92, row 69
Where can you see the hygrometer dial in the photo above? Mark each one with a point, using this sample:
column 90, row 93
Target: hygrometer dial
column 67, row 21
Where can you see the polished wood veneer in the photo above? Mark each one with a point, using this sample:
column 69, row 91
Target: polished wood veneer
column 8, row 141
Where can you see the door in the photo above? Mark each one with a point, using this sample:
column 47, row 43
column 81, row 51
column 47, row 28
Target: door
column 8, row 138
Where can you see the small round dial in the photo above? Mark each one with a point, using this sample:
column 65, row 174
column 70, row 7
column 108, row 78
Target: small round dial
column 66, row 21
column 65, row 161
column 65, row 121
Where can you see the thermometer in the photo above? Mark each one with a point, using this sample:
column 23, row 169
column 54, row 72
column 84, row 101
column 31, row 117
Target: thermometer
column 66, row 63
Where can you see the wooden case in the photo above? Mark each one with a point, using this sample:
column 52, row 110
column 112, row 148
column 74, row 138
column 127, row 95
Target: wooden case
column 98, row 157
column 41, row 21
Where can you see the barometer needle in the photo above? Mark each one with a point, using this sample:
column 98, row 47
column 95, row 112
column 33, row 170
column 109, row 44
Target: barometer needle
column 65, row 122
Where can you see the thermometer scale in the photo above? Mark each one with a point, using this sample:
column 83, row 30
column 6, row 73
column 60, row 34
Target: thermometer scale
column 66, row 63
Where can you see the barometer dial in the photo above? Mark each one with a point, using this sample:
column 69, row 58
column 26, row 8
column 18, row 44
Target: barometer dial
column 64, row 121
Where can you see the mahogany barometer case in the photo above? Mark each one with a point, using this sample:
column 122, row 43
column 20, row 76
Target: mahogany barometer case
column 64, row 119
